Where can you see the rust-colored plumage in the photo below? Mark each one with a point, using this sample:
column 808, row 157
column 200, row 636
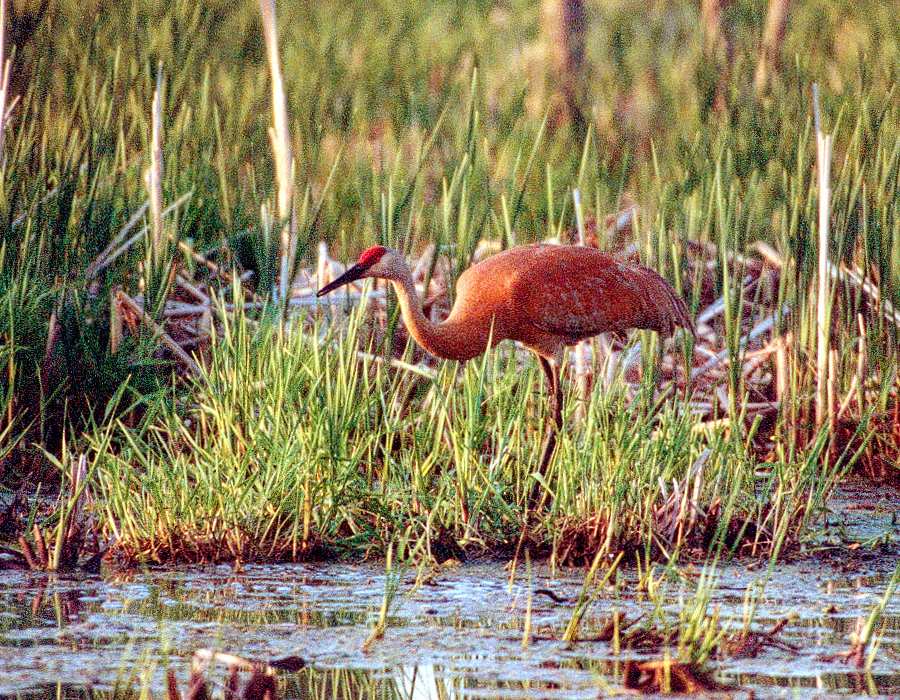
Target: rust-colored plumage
column 542, row 296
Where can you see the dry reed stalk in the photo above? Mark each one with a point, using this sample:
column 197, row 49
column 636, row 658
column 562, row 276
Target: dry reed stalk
column 105, row 259
column 205, row 326
column 823, row 159
column 582, row 379
column 203, row 658
column 154, row 174
column 846, row 275
column 859, row 279
column 97, row 263
column 831, row 398
column 310, row 299
column 851, row 392
column 323, row 266
column 167, row 340
column 763, row 326
column 769, row 254
column 773, row 35
column 53, row 333
column 733, row 258
column 781, row 367
column 717, row 308
column 192, row 289
column 77, row 475
column 399, row 364
column 756, row 359
column 5, row 67
column 861, row 362
column 116, row 330
column 279, row 134
column 188, row 250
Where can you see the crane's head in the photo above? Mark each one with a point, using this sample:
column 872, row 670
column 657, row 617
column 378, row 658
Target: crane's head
column 376, row 261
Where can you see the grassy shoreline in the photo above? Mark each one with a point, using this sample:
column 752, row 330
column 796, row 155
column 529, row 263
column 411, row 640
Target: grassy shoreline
column 292, row 445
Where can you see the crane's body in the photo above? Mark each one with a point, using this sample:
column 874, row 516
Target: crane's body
column 542, row 296
column 548, row 296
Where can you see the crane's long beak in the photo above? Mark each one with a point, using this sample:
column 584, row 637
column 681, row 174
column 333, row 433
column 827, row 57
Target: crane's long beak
column 354, row 273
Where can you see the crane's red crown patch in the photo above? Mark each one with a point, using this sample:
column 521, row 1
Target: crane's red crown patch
column 372, row 255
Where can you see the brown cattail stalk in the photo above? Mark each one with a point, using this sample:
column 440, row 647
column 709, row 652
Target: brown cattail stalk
column 574, row 21
column 773, row 35
column 711, row 16
column 40, row 546
column 565, row 22
column 172, row 692
column 716, row 43
column 28, row 554
column 279, row 134
column 823, row 312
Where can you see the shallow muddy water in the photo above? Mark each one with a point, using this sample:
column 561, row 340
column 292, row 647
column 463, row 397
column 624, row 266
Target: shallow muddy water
column 459, row 634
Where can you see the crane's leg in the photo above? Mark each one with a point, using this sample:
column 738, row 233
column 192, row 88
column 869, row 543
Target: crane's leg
column 554, row 425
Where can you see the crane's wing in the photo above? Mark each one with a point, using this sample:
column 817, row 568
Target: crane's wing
column 575, row 295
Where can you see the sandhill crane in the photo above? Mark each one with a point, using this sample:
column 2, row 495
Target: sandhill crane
column 543, row 296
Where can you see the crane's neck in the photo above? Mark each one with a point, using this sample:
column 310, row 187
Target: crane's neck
column 451, row 340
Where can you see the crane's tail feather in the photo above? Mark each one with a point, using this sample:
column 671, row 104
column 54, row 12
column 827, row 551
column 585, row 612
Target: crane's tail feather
column 664, row 308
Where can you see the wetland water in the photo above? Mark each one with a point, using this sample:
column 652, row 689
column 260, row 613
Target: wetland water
column 457, row 635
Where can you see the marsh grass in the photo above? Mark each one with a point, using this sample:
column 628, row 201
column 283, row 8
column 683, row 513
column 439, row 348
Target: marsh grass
column 292, row 446
column 866, row 640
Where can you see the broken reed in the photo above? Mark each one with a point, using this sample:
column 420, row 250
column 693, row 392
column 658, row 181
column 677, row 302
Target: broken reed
column 280, row 137
column 824, row 401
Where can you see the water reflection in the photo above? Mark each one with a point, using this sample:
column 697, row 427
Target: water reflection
column 434, row 682
column 459, row 636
